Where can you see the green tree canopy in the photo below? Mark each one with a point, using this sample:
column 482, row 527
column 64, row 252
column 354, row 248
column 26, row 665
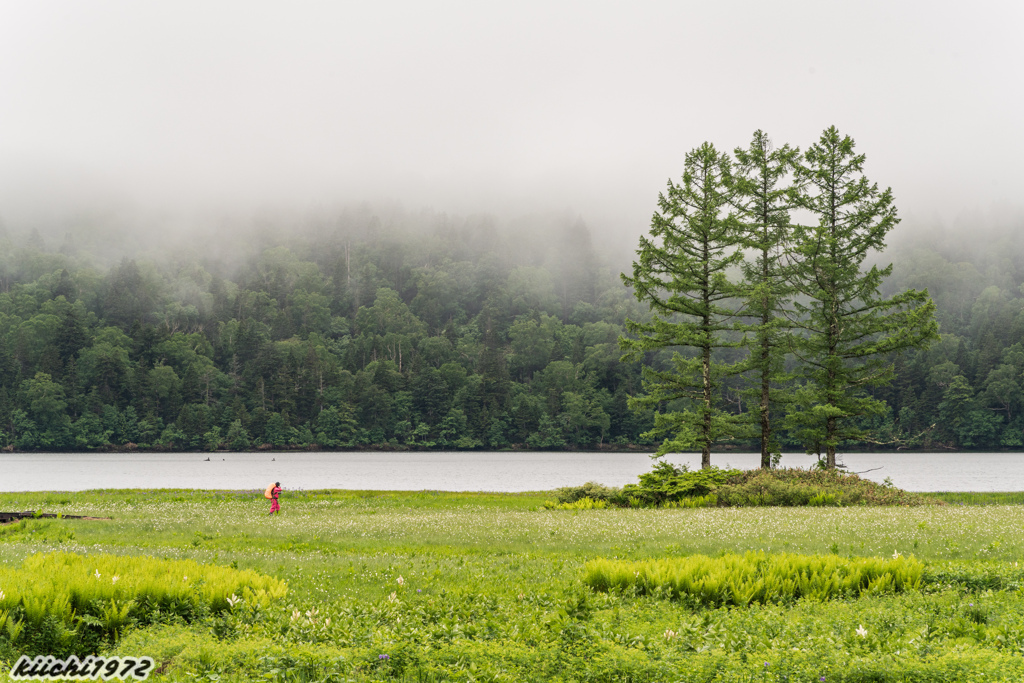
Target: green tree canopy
column 682, row 274
column 849, row 328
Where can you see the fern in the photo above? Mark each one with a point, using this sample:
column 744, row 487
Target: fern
column 755, row 577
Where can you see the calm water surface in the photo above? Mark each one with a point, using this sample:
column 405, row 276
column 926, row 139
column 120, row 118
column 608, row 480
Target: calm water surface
column 460, row 471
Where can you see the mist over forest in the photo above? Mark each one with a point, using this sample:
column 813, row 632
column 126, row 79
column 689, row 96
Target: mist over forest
column 247, row 225
column 382, row 327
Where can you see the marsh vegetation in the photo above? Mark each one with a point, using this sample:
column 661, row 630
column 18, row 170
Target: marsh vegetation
column 491, row 587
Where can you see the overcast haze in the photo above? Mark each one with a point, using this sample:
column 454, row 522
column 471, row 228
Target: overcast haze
column 467, row 107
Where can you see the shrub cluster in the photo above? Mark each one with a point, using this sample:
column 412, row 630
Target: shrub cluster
column 571, row 494
column 669, row 486
column 63, row 603
column 755, row 577
column 667, row 483
column 796, row 487
column 581, row 504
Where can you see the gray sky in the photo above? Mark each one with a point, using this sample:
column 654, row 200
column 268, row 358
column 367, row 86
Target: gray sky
column 499, row 107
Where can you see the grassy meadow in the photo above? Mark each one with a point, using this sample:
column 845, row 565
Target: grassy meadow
column 430, row 586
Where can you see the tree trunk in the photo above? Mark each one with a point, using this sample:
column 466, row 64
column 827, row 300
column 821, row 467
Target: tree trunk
column 831, row 425
column 766, row 429
column 830, row 448
column 766, row 426
column 705, row 455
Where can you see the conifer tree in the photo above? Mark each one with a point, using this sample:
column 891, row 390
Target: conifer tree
column 682, row 276
column 764, row 199
column 849, row 329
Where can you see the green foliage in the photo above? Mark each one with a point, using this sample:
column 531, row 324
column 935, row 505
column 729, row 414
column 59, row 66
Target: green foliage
column 683, row 276
column 821, row 487
column 667, row 483
column 60, row 603
column 307, row 341
column 764, row 200
column 592, row 490
column 708, row 501
column 671, row 487
column 741, row 580
column 849, row 329
column 805, row 293
column 976, row 576
column 578, row 504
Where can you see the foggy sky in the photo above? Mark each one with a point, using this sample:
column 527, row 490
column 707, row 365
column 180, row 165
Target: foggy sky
column 495, row 107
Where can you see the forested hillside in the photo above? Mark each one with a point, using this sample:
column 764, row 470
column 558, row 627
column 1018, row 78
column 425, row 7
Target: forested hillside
column 388, row 329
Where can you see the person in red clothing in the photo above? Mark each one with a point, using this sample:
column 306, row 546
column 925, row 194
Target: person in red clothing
column 275, row 506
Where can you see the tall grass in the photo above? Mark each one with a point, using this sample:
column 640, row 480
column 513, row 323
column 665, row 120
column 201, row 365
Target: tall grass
column 979, row 497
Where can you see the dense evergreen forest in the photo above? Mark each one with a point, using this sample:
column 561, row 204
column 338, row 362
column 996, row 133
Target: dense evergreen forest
column 381, row 328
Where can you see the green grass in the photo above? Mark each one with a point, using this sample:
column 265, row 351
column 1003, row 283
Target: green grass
column 492, row 588
column 980, row 498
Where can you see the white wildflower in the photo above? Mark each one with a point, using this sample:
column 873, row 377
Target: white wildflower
column 895, row 555
column 97, row 574
column 234, row 600
column 393, row 597
column 115, row 578
column 670, row 634
column 861, row 631
column 401, row 581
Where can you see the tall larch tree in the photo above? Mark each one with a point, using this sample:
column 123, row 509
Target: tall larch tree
column 764, row 197
column 849, row 329
column 682, row 275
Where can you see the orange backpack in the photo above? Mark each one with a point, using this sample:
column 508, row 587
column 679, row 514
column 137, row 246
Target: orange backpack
column 269, row 493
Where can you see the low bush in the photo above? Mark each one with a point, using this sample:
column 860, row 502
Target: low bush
column 62, row 603
column 755, row 577
column 595, row 492
column 794, row 487
column 667, row 483
column 708, row 501
column 580, row 504
column 669, row 486
column 664, row 486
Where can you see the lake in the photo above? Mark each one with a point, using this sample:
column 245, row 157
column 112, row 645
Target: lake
column 460, row 471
